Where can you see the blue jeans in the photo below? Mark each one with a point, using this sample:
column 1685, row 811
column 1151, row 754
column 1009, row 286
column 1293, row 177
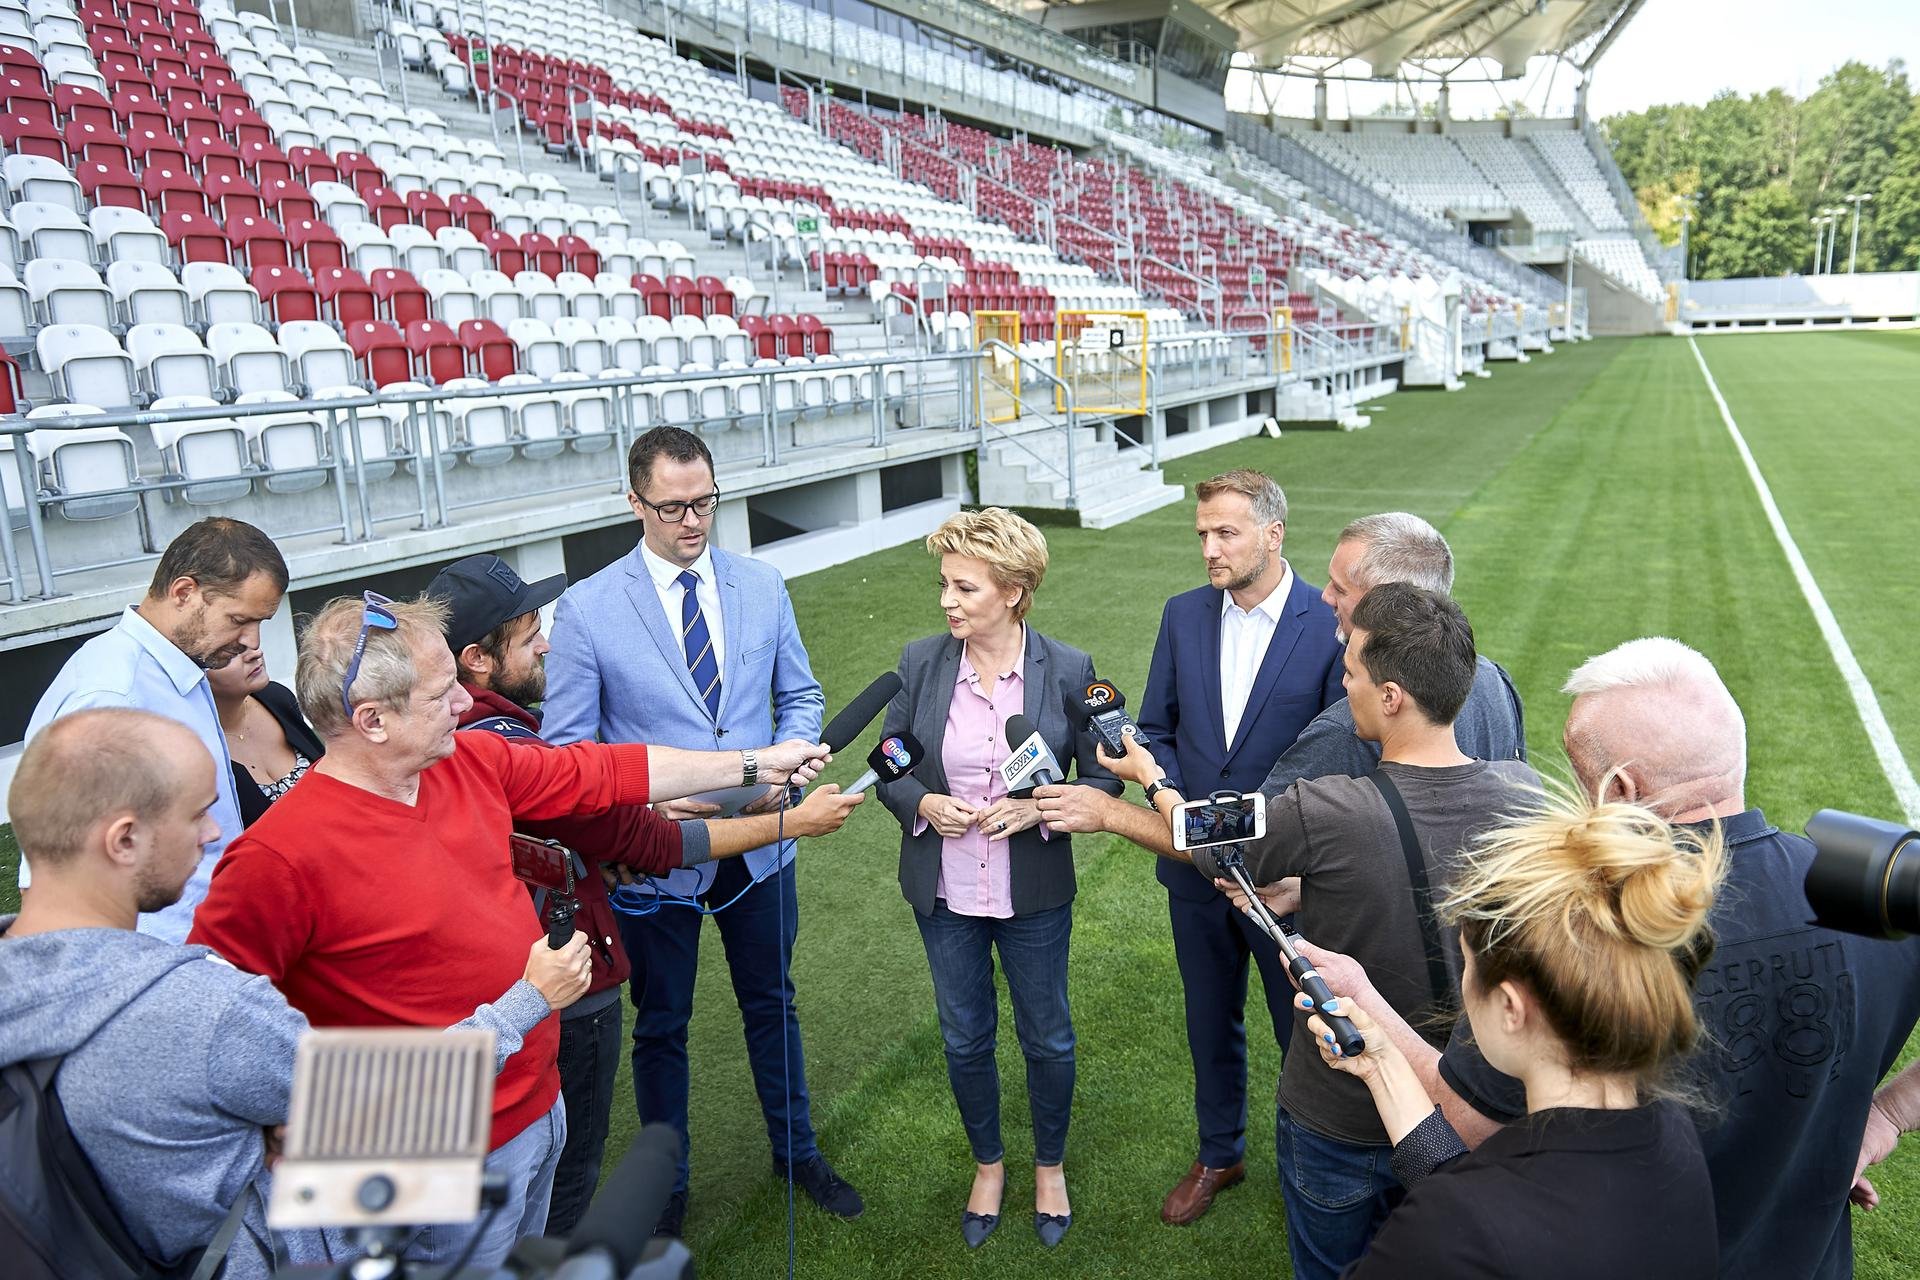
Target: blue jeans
column 758, row 933
column 1033, row 951
column 1336, row 1194
column 526, row 1161
column 589, row 1063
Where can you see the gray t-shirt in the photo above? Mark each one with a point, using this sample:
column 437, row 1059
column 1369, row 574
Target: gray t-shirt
column 1338, row 836
column 1490, row 726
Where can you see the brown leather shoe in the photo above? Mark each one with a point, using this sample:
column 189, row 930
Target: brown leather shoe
column 1193, row 1195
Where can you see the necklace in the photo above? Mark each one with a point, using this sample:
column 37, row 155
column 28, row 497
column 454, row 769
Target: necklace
column 238, row 735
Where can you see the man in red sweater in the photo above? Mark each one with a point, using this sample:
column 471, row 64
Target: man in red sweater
column 378, row 892
column 493, row 629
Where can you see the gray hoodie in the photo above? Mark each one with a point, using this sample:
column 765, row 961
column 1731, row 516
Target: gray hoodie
column 176, row 1062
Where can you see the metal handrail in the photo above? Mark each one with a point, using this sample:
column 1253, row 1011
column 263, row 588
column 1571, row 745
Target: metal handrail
column 1066, row 393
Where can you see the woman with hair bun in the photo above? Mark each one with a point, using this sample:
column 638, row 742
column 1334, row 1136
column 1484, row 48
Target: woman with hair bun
column 1582, row 926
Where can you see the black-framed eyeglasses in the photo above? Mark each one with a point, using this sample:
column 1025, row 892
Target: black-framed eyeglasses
column 675, row 512
column 375, row 615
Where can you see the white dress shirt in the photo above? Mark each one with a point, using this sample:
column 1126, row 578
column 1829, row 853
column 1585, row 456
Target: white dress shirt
column 1244, row 636
column 666, row 575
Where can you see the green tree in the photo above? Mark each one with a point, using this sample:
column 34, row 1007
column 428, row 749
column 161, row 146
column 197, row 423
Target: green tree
column 1761, row 165
column 1766, row 235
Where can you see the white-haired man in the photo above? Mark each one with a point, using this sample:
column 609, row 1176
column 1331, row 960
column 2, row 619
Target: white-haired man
column 1395, row 546
column 378, row 892
column 1802, row 1022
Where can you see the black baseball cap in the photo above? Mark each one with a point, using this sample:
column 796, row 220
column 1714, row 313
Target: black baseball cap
column 483, row 591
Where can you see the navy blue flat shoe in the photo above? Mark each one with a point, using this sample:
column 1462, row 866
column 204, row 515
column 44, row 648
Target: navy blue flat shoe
column 976, row 1227
column 1051, row 1227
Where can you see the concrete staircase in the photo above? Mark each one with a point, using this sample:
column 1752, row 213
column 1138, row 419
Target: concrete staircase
column 1027, row 467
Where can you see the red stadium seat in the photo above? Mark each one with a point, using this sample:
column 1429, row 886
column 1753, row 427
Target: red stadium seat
column 347, row 296
column 438, row 354
column 195, row 237
column 313, row 165
column 288, row 200
column 26, row 96
column 401, row 296
column 27, row 136
column 157, row 148
column 266, row 162
column 233, row 196
column 766, row 343
column 490, row 352
column 110, row 183
column 579, row 255
column 470, row 213
column 382, row 352
column 213, row 156
column 542, row 253
column 683, row 297
column 171, row 191
column 508, row 257
column 428, row 210
column 715, row 298
column 285, row 293
column 258, row 242
column 316, row 244
column 139, row 109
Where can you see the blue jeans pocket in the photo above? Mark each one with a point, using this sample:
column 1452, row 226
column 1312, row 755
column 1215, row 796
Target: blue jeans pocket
column 1329, row 1174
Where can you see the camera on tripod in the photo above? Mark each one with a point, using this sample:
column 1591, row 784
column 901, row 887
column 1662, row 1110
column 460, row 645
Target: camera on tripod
column 1865, row 876
column 388, row 1132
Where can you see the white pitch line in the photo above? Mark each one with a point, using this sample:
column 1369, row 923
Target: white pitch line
column 1906, row 791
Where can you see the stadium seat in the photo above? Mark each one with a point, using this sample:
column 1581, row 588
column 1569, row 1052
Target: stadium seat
column 220, row 294
column 381, row 350
column 65, row 292
column 286, row 294
column 324, row 362
column 148, row 293
column 171, row 361
column 87, row 365
column 49, row 230
column 210, row 452
column 291, row 448
column 84, row 471
column 541, row 353
column 438, row 355
column 249, row 359
column 491, row 353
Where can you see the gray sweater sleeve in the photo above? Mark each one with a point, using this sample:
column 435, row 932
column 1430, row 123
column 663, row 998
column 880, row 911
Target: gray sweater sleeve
column 250, row 1067
column 510, row 1018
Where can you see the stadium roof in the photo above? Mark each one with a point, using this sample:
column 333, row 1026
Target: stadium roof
column 1384, row 34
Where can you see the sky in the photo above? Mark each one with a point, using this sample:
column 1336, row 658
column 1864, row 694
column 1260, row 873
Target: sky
column 1677, row 51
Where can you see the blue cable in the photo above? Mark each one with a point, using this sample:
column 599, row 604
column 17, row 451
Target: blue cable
column 636, row 900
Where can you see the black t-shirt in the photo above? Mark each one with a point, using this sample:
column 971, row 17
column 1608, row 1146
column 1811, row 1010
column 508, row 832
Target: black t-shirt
column 1800, row 1024
column 1566, row 1193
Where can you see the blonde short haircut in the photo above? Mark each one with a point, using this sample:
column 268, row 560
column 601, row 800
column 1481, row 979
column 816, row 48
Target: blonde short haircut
column 387, row 674
column 1262, row 492
column 1014, row 552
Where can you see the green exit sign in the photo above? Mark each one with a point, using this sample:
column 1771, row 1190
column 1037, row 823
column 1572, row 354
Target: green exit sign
column 481, row 55
column 1256, row 275
column 807, row 226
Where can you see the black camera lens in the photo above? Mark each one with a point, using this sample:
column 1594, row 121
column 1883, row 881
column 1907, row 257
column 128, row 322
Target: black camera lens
column 1865, row 877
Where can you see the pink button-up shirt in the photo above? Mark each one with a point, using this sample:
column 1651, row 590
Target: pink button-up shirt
column 976, row 873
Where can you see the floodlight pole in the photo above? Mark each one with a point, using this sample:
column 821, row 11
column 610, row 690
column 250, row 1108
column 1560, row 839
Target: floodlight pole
column 1857, row 199
column 1819, row 240
column 1833, row 241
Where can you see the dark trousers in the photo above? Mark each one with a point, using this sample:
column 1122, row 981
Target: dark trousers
column 1211, row 942
column 589, row 1063
column 758, row 933
column 1337, row 1195
column 1033, row 952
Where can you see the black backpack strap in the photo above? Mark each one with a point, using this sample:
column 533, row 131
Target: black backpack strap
column 1438, row 976
column 216, row 1251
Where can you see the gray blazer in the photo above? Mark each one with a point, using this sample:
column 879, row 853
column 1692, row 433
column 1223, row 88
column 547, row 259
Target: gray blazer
column 1042, row 869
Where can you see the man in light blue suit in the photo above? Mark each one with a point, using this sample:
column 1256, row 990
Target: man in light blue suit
column 685, row 645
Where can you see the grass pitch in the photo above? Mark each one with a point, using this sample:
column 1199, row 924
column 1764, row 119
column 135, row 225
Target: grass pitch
column 1590, row 497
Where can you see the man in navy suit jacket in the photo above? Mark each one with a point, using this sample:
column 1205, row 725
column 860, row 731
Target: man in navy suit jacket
column 1241, row 666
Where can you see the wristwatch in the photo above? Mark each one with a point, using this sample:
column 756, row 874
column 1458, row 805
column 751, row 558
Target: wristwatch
column 749, row 769
column 1154, row 788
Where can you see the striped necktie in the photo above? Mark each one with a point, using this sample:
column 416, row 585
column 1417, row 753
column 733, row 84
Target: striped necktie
column 699, row 643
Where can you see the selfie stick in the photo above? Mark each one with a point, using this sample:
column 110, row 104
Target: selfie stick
column 1345, row 1034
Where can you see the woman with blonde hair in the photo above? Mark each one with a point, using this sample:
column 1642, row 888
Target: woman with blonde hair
column 1582, row 927
column 980, row 872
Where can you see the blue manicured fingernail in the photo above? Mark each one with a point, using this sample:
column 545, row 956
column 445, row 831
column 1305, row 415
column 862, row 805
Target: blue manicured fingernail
column 1332, row 1006
column 1329, row 1039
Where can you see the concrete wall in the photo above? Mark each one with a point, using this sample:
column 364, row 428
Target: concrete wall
column 1612, row 309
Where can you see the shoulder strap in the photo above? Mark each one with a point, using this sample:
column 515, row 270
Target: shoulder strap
column 216, row 1251
column 1438, row 977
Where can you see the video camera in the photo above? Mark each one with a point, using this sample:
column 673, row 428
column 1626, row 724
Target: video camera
column 1865, row 876
column 388, row 1132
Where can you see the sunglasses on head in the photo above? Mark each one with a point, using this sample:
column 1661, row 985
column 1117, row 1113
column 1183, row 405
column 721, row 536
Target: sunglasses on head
column 375, row 615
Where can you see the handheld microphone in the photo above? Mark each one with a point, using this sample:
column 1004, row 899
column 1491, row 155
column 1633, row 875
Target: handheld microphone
column 858, row 714
column 1031, row 763
column 893, row 759
column 1102, row 709
column 620, row 1220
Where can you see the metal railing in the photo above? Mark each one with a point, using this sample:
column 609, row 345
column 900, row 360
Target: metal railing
column 420, row 435
column 1061, row 419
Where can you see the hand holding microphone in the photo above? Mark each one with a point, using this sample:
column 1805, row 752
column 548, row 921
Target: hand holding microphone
column 561, row 976
column 795, row 762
